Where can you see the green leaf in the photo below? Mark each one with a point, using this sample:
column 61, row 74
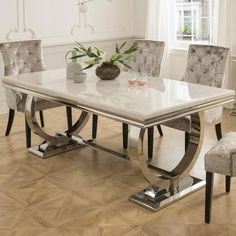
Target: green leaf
column 131, row 50
column 94, row 62
column 78, row 56
column 89, row 50
column 116, row 58
column 77, row 49
column 92, row 55
column 81, row 47
column 100, row 50
column 123, row 45
column 126, row 65
column 117, row 49
column 128, row 57
column 89, row 66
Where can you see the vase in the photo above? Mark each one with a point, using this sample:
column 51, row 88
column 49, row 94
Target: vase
column 73, row 67
column 107, row 71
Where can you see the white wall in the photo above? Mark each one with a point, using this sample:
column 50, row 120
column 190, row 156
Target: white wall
column 140, row 9
column 53, row 20
column 233, row 28
column 107, row 21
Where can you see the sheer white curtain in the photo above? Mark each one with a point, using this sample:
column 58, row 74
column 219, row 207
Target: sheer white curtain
column 158, row 20
column 158, row 17
column 222, row 33
column 222, row 23
column 157, row 27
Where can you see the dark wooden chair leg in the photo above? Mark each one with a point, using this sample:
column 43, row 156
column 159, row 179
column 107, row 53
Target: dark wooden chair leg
column 27, row 134
column 125, row 131
column 94, row 126
column 69, row 117
column 41, row 118
column 187, row 139
column 227, row 183
column 160, row 130
column 10, row 121
column 208, row 196
column 150, row 142
column 218, row 131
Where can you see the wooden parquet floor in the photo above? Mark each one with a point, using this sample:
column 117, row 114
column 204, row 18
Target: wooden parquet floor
column 85, row 192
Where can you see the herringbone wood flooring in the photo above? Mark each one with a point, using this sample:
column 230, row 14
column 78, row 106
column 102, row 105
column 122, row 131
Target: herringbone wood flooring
column 85, row 192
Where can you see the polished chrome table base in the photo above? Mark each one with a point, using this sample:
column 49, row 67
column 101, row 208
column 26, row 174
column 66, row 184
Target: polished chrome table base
column 154, row 199
column 165, row 187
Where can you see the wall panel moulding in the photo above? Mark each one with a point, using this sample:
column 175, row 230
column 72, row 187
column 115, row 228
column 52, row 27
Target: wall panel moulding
column 82, row 16
column 21, row 29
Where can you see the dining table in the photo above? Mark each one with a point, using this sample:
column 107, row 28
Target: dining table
column 141, row 107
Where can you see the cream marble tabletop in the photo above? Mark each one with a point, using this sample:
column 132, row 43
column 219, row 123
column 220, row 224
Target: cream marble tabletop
column 140, row 103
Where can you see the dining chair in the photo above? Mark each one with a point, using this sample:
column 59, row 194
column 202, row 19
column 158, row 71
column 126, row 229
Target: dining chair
column 25, row 57
column 221, row 159
column 206, row 66
column 147, row 60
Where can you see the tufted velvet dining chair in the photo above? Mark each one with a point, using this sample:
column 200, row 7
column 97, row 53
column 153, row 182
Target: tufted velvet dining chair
column 147, row 59
column 24, row 57
column 220, row 159
column 206, row 66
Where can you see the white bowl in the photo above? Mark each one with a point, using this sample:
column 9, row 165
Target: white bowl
column 80, row 77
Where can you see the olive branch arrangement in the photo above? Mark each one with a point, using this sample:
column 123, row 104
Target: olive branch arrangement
column 96, row 56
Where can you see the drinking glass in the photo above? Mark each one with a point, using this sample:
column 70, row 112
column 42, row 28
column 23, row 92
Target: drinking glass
column 131, row 78
column 142, row 78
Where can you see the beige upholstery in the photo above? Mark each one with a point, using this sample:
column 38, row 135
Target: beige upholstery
column 221, row 158
column 206, row 66
column 23, row 57
column 182, row 124
column 148, row 58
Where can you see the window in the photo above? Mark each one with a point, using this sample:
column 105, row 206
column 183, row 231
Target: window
column 193, row 22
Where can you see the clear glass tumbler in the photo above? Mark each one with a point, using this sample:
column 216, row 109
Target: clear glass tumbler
column 142, row 78
column 131, row 78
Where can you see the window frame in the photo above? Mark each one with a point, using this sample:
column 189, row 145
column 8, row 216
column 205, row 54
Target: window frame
column 173, row 21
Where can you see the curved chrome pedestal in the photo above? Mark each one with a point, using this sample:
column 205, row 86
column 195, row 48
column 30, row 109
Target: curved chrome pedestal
column 167, row 187
column 61, row 142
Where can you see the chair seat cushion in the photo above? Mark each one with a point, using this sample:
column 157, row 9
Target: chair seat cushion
column 211, row 117
column 182, row 124
column 221, row 158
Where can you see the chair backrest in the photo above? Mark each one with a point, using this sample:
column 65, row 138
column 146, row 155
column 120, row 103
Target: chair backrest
column 206, row 65
column 149, row 57
column 22, row 57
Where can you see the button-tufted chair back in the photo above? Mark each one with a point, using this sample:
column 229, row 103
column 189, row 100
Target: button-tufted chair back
column 206, row 65
column 22, row 57
column 149, row 57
